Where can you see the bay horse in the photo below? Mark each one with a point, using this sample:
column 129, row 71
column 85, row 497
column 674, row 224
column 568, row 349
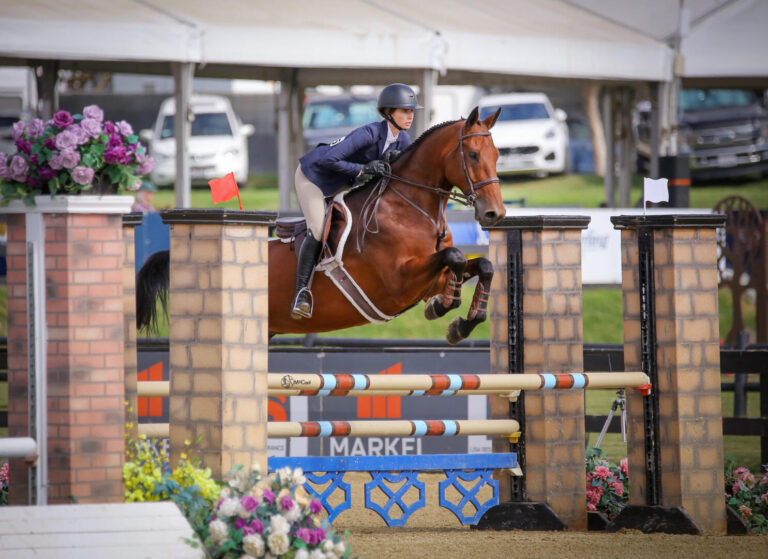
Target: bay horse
column 402, row 250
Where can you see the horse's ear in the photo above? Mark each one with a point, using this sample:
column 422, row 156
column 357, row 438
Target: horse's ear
column 471, row 119
column 491, row 120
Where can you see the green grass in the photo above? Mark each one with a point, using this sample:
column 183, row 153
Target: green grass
column 744, row 450
column 586, row 191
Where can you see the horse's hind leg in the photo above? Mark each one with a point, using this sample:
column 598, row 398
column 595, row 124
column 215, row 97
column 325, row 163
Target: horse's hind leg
column 460, row 328
column 450, row 298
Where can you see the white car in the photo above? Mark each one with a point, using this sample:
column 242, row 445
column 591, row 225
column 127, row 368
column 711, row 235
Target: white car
column 218, row 142
column 531, row 136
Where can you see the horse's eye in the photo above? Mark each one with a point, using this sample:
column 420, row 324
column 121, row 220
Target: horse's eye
column 473, row 155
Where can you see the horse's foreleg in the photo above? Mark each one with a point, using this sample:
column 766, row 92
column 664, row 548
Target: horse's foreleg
column 460, row 328
column 450, row 298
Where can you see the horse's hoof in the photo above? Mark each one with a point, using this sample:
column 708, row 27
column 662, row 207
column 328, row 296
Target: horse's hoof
column 429, row 309
column 453, row 333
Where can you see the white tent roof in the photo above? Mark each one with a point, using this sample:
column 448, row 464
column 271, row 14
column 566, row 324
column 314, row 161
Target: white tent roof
column 550, row 38
column 721, row 38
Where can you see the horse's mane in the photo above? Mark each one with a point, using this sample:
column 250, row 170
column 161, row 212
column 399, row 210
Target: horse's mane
column 415, row 144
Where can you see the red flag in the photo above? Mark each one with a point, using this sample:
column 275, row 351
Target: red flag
column 224, row 189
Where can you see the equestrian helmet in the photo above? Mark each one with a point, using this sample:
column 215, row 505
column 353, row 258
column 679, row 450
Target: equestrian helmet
column 398, row 96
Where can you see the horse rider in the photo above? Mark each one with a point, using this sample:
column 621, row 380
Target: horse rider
column 355, row 158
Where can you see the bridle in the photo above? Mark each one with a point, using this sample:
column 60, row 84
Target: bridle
column 372, row 202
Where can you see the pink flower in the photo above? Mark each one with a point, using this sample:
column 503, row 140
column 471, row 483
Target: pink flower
column 257, row 526
column 624, row 466
column 115, row 155
column 18, row 169
column 66, row 140
column 18, row 130
column 109, row 127
column 69, row 158
column 24, row 146
column 124, row 128
column 91, row 126
column 249, row 502
column 50, row 143
column 591, row 507
column 94, row 112
column 35, row 128
column 55, row 161
column 315, row 506
column 618, row 488
column 46, row 174
column 286, row 502
column 146, row 167
column 62, row 119
column 602, row 472
column 269, row 496
column 115, row 141
column 745, row 511
column 80, row 134
column 82, row 175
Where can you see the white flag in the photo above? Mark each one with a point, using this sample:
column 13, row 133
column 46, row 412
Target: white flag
column 655, row 190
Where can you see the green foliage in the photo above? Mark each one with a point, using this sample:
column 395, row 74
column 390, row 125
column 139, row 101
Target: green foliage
column 607, row 484
column 747, row 494
column 147, row 475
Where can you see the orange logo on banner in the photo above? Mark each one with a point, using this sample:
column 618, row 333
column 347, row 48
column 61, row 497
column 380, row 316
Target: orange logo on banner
column 275, row 409
column 151, row 407
column 381, row 406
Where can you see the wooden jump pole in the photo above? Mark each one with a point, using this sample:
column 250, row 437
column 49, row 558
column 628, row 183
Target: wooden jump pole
column 429, row 385
column 393, row 428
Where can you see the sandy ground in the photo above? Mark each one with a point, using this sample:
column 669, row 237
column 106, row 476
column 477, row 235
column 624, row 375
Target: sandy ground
column 424, row 543
column 434, row 532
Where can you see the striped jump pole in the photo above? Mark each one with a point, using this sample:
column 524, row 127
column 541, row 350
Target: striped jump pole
column 392, row 428
column 443, row 385
column 395, row 428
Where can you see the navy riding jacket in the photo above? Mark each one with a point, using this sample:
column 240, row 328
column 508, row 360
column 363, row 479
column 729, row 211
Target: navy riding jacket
column 334, row 166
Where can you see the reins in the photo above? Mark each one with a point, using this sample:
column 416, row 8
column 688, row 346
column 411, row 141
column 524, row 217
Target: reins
column 371, row 204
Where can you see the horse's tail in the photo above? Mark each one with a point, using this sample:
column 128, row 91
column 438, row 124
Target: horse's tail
column 152, row 284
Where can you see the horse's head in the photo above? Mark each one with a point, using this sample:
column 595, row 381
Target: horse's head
column 472, row 167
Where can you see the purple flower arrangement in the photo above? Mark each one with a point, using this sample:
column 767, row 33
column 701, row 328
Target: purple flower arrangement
column 269, row 516
column 70, row 154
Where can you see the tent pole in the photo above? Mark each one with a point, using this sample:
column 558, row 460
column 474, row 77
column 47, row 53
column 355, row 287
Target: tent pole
column 183, row 73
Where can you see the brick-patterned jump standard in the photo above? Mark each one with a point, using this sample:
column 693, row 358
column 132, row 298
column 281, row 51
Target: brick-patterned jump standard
column 678, row 254
column 85, row 354
column 218, row 335
column 536, row 325
column 130, row 222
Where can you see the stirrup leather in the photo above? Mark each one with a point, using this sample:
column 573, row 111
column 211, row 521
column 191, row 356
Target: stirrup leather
column 296, row 311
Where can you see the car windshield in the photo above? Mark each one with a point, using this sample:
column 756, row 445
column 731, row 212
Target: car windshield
column 205, row 124
column 519, row 111
column 339, row 114
column 692, row 100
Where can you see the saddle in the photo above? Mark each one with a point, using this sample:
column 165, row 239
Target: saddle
column 336, row 230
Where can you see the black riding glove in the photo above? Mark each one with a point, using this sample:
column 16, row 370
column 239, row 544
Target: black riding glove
column 375, row 168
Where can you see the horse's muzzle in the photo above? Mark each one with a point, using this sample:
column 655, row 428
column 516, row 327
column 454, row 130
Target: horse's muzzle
column 486, row 216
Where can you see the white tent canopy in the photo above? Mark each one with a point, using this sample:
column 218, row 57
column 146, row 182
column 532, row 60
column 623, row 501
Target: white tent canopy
column 722, row 41
column 544, row 38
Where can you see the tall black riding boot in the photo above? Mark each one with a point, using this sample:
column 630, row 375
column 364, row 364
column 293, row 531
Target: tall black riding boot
column 302, row 300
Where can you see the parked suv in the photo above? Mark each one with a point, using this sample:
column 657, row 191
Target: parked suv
column 328, row 118
column 217, row 144
column 531, row 135
column 725, row 132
